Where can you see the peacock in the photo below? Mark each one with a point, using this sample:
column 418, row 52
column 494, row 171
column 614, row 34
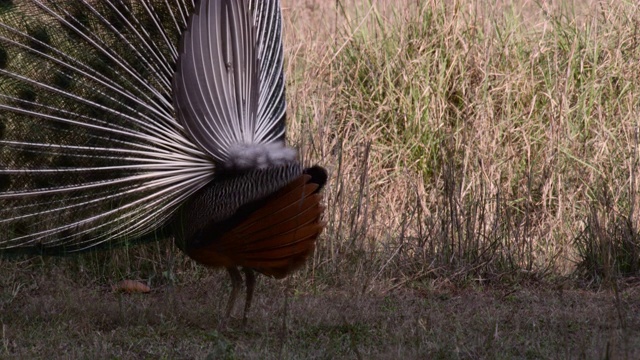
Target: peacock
column 124, row 121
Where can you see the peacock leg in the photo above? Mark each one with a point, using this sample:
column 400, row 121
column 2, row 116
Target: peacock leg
column 236, row 283
column 250, row 281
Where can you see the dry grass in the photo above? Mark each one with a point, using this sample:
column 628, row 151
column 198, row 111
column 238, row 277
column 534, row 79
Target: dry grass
column 482, row 201
column 475, row 140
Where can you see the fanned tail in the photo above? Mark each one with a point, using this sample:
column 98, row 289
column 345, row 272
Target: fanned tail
column 229, row 85
column 90, row 150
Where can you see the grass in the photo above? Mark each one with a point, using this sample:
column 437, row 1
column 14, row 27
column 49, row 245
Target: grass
column 496, row 136
column 56, row 316
column 482, row 201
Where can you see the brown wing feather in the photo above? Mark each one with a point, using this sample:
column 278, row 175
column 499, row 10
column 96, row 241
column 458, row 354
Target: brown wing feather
column 287, row 195
column 280, row 222
column 275, row 238
column 281, row 243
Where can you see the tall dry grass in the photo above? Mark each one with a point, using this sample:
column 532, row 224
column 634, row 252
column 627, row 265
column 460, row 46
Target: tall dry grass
column 470, row 141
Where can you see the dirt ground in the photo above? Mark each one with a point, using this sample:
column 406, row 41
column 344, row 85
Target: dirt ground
column 54, row 317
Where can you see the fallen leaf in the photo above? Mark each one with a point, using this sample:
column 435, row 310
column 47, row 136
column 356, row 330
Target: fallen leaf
column 130, row 287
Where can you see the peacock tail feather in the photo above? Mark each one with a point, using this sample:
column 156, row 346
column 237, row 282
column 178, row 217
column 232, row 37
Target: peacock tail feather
column 93, row 150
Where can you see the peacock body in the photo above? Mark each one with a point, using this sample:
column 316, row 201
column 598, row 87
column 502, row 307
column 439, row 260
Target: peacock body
column 131, row 120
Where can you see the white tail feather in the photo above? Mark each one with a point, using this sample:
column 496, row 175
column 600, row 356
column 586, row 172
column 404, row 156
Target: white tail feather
column 244, row 157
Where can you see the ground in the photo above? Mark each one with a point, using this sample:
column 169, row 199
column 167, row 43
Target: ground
column 55, row 317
